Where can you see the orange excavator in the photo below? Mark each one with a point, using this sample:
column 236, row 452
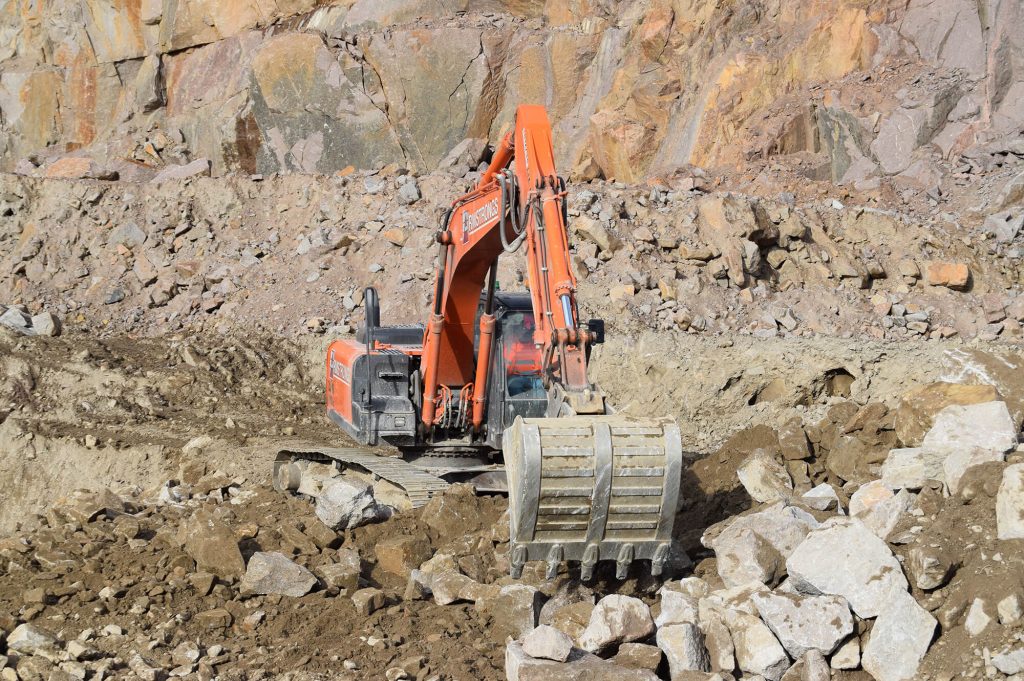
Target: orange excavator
column 501, row 377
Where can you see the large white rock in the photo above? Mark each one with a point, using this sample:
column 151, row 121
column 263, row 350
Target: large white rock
column 869, row 495
column 803, row 623
column 757, row 649
column 718, row 641
column 1010, row 503
column 31, row 640
column 987, row 425
column 764, row 478
column 683, row 645
column 754, row 547
column 977, row 619
column 847, row 656
column 345, row 504
column 960, row 461
column 845, row 558
column 616, row 619
column 580, row 666
column 547, row 643
column 1009, row 661
column 912, row 468
column 899, row 639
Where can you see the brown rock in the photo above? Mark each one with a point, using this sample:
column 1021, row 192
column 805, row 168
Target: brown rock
column 793, row 440
column 954, row 275
column 400, row 555
column 918, row 407
column 368, row 601
column 218, row 618
column 638, row 656
column 212, row 544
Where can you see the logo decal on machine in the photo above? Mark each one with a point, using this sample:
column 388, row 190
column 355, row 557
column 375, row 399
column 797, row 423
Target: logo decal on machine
column 340, row 371
column 478, row 218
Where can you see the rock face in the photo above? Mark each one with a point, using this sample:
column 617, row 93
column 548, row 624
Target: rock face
column 260, row 102
column 1010, row 503
column 274, row 573
column 845, row 558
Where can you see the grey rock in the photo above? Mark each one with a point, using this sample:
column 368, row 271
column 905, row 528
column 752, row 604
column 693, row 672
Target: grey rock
column 616, row 619
column 13, row 318
column 899, row 639
column 912, row 467
column 547, row 643
column 346, row 504
column 683, row 645
column 31, row 640
column 344, row 572
column 680, row 600
column 764, row 478
column 1010, row 503
column 45, row 324
column 408, row 193
column 845, row 558
column 275, row 573
column 1009, row 661
column 757, row 649
column 803, row 623
column 754, row 547
column 581, row 666
column 987, row 425
column 823, row 498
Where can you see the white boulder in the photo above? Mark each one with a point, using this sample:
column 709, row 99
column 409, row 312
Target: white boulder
column 899, row 639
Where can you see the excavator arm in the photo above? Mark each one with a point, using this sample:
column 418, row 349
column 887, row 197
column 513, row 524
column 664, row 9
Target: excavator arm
column 518, row 202
column 585, row 486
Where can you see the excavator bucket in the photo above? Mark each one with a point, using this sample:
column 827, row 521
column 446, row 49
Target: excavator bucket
column 592, row 488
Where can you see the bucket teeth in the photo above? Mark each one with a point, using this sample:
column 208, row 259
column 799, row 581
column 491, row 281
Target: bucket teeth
column 592, row 488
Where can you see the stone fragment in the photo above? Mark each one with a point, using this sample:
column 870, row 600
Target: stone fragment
column 638, row 656
column 346, row 504
column 616, row 619
column 1009, row 662
column 1010, row 610
column 449, row 586
column 683, row 645
column 1010, row 503
column 899, row 639
column 594, row 231
column 368, row 601
column 344, row 572
column 882, row 517
column 217, row 618
column 45, row 324
column 917, row 408
column 275, row 573
column 15, row 319
column 847, row 656
column 803, row 623
column 408, row 193
column 823, row 498
column 718, row 641
column 572, row 619
column 679, row 601
column 514, row 610
column 212, row 545
column 987, row 425
column 793, row 441
column 977, row 619
column 581, row 666
column 959, row 461
column 757, row 649
column 930, row 566
column 845, row 558
column 400, row 555
column 764, row 478
column 31, row 640
column 547, row 643
column 954, row 275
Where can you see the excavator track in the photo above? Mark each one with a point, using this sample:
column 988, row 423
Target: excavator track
column 592, row 488
column 417, row 484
